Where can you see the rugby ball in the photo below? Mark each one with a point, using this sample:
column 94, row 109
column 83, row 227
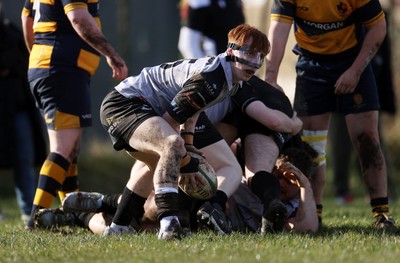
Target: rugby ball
column 208, row 190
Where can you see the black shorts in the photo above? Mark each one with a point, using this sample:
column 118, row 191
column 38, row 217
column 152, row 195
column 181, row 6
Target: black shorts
column 247, row 125
column 205, row 132
column 120, row 117
column 315, row 89
column 64, row 100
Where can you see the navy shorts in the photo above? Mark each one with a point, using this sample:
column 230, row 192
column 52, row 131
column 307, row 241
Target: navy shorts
column 64, row 100
column 315, row 89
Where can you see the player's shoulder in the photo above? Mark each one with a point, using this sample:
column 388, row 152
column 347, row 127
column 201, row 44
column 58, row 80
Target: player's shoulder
column 260, row 86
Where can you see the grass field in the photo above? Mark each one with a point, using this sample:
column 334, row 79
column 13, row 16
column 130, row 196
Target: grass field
column 347, row 235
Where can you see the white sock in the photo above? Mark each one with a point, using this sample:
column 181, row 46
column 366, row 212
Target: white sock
column 166, row 221
column 164, row 190
column 115, row 226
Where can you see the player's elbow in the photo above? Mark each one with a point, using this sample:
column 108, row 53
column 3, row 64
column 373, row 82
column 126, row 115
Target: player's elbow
column 278, row 125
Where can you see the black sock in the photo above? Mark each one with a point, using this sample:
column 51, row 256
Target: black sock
column 130, row 206
column 83, row 218
column 220, row 198
column 266, row 186
column 186, row 206
column 109, row 203
column 167, row 205
column 319, row 213
column 380, row 206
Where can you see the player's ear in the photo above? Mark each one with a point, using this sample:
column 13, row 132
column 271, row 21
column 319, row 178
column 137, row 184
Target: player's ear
column 229, row 51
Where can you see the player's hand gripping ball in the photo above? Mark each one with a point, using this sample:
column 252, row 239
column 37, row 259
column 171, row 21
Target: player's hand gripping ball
column 207, row 190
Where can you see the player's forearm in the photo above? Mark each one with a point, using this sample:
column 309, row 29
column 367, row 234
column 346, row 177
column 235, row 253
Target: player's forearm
column 190, row 123
column 372, row 41
column 278, row 36
column 86, row 27
column 27, row 29
column 306, row 219
column 285, row 124
column 273, row 119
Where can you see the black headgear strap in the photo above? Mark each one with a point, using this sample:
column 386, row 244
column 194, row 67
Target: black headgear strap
column 233, row 58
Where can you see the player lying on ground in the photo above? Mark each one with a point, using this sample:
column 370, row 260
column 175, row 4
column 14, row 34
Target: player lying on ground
column 144, row 113
column 273, row 126
column 244, row 213
column 207, row 139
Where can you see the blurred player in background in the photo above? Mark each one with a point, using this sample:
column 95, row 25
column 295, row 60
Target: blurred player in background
column 335, row 45
column 205, row 26
column 65, row 43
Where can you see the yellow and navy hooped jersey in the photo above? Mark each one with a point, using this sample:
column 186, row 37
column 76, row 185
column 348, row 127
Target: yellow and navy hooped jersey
column 328, row 27
column 57, row 47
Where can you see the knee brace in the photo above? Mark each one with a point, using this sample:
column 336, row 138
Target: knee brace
column 317, row 140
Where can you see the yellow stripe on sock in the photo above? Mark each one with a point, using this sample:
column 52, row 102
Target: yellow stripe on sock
column 43, row 199
column 53, row 170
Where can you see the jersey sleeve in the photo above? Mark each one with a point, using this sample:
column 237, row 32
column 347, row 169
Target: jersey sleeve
column 283, row 11
column 244, row 97
column 258, row 90
column 28, row 8
column 197, row 92
column 369, row 12
column 74, row 4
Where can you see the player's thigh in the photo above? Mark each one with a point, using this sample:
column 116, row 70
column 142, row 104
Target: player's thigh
column 152, row 135
column 316, row 122
column 142, row 172
column 133, row 125
column 260, row 151
column 220, row 155
column 228, row 132
column 65, row 142
column 64, row 100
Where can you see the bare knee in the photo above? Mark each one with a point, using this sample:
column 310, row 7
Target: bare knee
column 174, row 144
column 369, row 151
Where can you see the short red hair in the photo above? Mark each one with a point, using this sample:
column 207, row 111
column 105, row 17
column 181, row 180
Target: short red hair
column 240, row 34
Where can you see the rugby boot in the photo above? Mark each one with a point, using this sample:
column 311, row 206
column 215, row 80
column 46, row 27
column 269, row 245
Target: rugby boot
column 274, row 217
column 82, row 202
column 52, row 218
column 173, row 231
column 211, row 216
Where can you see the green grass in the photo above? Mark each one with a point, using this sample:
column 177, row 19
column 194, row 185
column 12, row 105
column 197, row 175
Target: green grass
column 347, row 236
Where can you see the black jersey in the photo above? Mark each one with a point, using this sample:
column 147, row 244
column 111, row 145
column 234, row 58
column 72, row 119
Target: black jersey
column 257, row 89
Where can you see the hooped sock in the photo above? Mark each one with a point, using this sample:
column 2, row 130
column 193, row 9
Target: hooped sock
column 380, row 206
